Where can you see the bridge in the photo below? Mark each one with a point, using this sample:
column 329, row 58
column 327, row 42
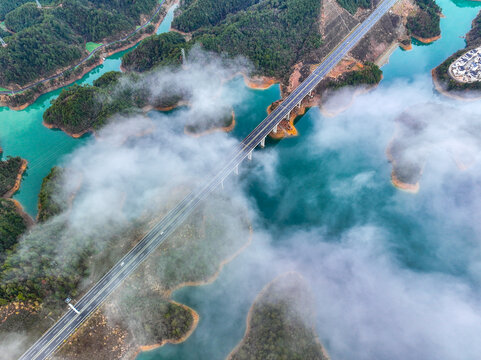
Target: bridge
column 73, row 318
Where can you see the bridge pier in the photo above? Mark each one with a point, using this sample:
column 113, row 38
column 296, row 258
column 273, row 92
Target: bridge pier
column 299, row 104
column 310, row 93
column 275, row 129
column 222, row 184
column 236, row 170
column 250, row 155
column 263, row 143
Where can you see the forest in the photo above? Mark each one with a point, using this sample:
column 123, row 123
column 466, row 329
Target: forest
column 48, row 39
column 273, row 34
column 50, row 193
column 425, row 24
column 281, row 324
column 203, row 13
column 87, row 107
column 12, row 226
column 9, row 170
column 8, row 5
column 163, row 49
column 370, row 74
column 353, row 5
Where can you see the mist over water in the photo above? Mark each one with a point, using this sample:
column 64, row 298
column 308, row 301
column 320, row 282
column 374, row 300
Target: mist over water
column 395, row 275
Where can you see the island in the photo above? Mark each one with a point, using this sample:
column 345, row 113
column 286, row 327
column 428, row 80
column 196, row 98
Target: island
column 424, row 25
column 414, row 143
column 459, row 76
column 82, row 109
column 280, row 324
column 73, row 37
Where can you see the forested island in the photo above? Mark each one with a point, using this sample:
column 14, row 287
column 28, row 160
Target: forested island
column 86, row 108
column 443, row 81
column 280, row 324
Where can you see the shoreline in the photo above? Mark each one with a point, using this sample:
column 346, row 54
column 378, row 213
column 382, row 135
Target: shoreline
column 210, row 280
column 251, row 309
column 386, row 55
column 29, row 221
column 195, row 315
column 250, row 313
column 147, row 348
column 74, row 135
column 103, row 55
column 440, row 89
column 398, row 184
column 18, row 180
column 426, row 40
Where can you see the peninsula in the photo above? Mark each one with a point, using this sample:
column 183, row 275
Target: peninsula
column 459, row 76
column 280, row 324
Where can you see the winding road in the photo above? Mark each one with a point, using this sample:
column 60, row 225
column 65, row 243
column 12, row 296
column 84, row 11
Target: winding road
column 71, row 320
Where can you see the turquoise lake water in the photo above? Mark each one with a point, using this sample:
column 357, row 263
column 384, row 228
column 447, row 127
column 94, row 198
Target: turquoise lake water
column 303, row 199
column 302, row 196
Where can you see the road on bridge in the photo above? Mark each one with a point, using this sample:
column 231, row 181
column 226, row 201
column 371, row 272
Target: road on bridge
column 69, row 322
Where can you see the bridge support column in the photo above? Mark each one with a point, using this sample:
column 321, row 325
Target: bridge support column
column 299, row 104
column 222, row 184
column 310, row 93
column 275, row 129
column 263, row 143
column 250, row 155
column 236, row 170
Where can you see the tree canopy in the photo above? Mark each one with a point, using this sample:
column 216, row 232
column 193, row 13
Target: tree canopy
column 8, row 173
column 425, row 23
column 48, row 39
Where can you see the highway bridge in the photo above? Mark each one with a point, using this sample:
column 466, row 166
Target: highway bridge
column 69, row 322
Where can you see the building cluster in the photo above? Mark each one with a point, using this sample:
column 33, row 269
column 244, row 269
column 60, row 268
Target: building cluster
column 467, row 68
